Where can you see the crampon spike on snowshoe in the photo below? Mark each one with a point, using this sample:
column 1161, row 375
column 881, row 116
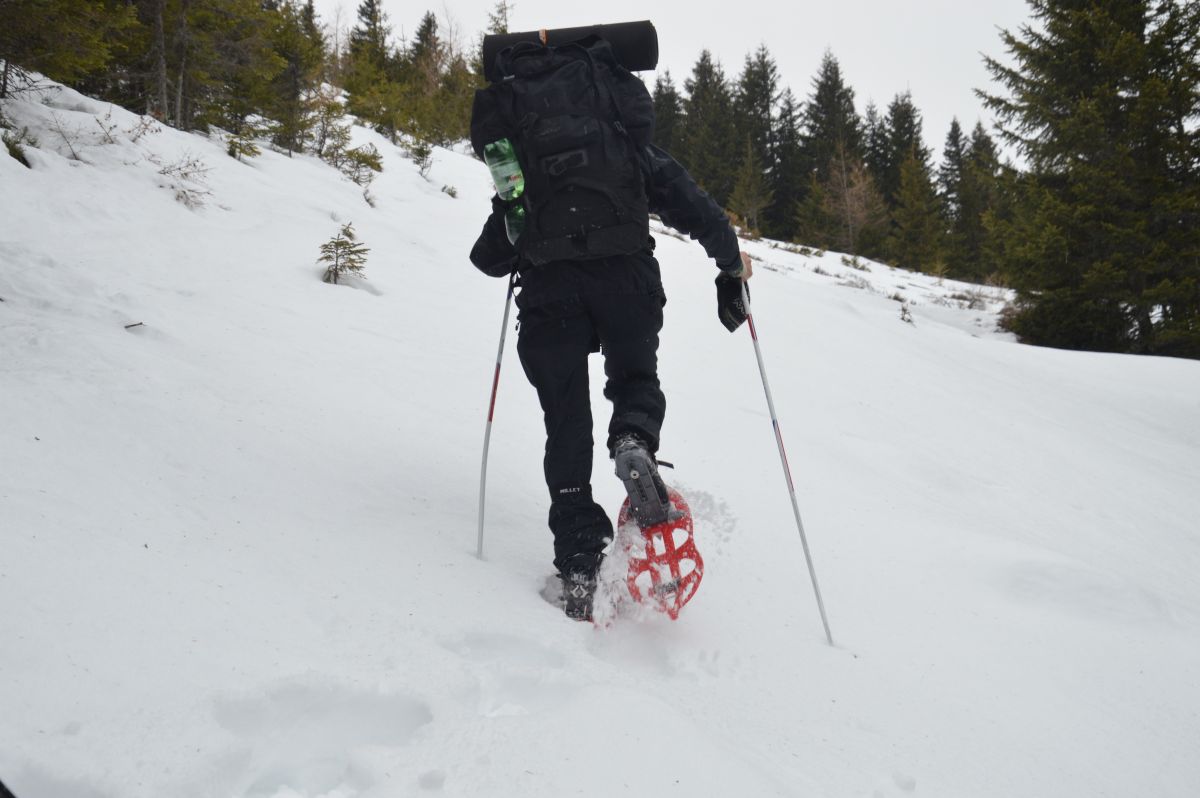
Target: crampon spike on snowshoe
column 664, row 566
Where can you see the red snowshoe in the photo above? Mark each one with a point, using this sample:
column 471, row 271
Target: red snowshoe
column 665, row 567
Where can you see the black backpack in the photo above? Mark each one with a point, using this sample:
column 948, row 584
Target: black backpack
column 579, row 122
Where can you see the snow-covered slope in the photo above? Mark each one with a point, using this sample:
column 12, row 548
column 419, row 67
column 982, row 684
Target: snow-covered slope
column 237, row 541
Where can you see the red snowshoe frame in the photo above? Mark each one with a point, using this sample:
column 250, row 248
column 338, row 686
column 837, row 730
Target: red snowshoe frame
column 664, row 566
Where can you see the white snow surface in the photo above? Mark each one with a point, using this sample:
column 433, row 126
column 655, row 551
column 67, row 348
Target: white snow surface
column 238, row 540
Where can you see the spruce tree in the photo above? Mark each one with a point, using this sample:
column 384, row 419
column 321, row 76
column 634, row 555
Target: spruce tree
column 950, row 188
column 709, row 135
column 813, row 217
column 789, row 179
column 295, row 98
column 499, row 16
column 901, row 140
column 875, row 144
column 950, row 173
column 979, row 195
column 63, row 39
column 498, row 20
column 232, row 67
column 754, row 105
column 915, row 241
column 751, row 193
column 831, row 125
column 373, row 91
column 425, row 55
column 343, row 255
column 369, row 37
column 668, row 113
column 1104, row 247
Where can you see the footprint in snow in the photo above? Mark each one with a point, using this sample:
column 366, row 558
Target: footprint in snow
column 900, row 785
column 515, row 675
column 305, row 740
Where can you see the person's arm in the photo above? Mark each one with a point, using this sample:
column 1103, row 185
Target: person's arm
column 684, row 206
column 493, row 254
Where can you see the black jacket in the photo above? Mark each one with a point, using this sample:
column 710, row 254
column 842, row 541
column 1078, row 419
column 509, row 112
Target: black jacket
column 673, row 195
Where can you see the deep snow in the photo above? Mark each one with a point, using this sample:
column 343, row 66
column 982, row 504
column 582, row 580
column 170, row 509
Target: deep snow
column 238, row 539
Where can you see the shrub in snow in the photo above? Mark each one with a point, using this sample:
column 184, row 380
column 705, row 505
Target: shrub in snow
column 145, row 125
column 187, row 177
column 15, row 143
column 357, row 163
column 342, row 254
column 361, row 163
column 69, row 137
column 421, row 153
column 241, row 145
column 855, row 263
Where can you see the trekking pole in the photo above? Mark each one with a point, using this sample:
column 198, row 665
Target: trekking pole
column 487, row 435
column 787, row 471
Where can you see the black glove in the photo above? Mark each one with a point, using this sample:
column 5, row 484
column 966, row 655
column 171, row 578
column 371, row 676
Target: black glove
column 731, row 310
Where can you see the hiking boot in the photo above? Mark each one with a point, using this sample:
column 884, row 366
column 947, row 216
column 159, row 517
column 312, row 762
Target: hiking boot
column 649, row 502
column 579, row 593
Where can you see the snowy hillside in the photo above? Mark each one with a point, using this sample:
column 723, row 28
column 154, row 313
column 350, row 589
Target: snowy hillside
column 237, row 539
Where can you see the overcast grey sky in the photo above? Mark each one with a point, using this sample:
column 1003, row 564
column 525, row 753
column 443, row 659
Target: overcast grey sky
column 930, row 47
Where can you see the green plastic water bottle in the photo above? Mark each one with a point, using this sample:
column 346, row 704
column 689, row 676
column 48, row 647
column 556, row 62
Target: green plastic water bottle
column 501, row 159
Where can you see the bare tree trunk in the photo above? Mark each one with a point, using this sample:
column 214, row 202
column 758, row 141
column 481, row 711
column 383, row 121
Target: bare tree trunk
column 180, row 122
column 160, row 69
column 4, row 80
column 846, row 211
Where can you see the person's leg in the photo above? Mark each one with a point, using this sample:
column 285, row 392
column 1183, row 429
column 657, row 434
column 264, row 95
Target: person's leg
column 554, row 343
column 628, row 325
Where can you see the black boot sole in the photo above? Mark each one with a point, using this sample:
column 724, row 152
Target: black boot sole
column 638, row 471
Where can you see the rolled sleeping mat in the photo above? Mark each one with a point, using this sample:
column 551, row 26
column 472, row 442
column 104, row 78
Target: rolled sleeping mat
column 635, row 44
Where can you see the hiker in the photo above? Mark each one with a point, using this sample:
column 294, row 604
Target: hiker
column 576, row 232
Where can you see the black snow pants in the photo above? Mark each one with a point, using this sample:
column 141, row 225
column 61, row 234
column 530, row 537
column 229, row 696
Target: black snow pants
column 569, row 310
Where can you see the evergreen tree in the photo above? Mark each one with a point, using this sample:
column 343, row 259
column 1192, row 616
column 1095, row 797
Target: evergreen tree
column 709, row 134
column 369, row 38
column 789, row 179
column 902, row 127
column 228, row 66
column 950, row 173
column 316, row 37
column 754, row 105
column 814, row 218
column 668, row 113
column 950, row 187
column 343, row 254
column 875, row 144
column 916, row 235
column 372, row 94
column 425, row 55
column 979, row 194
column 831, row 125
column 294, row 104
column 1104, row 244
column 498, row 20
column 750, row 191
column 63, row 39
column 499, row 16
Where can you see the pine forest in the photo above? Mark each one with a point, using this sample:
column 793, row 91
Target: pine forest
column 1083, row 194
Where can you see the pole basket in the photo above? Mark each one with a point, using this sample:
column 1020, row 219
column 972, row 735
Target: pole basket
column 664, row 566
